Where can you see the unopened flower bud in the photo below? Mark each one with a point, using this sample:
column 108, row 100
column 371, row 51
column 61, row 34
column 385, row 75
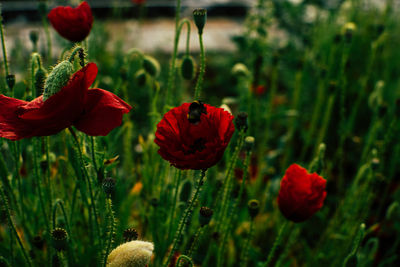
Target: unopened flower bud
column 10, row 79
column 348, row 30
column 253, row 207
column 240, row 70
column 200, row 18
column 59, row 238
column 40, row 79
column 57, row 79
column 241, row 121
column 34, row 37
column 249, row 143
column 130, row 234
column 141, row 77
column 151, row 66
column 186, row 191
column 188, row 67
column 135, row 253
column 108, row 185
column 205, row 215
column 38, row 242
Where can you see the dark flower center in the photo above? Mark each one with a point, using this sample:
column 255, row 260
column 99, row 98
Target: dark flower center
column 197, row 146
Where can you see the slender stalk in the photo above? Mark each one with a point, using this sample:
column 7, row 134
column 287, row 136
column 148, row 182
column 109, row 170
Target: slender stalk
column 3, row 45
column 194, row 244
column 12, row 226
column 200, row 78
column 92, row 144
column 272, row 254
column 184, row 220
column 177, row 179
column 245, row 248
column 111, row 232
column 60, row 203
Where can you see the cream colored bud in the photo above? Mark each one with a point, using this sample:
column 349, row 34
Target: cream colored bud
column 131, row 254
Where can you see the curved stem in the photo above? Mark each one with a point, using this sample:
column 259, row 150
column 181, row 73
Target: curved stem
column 184, row 219
column 200, row 78
column 60, row 203
column 188, row 260
column 277, row 243
column 77, row 49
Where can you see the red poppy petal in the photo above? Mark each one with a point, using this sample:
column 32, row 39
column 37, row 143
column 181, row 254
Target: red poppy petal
column 11, row 127
column 103, row 112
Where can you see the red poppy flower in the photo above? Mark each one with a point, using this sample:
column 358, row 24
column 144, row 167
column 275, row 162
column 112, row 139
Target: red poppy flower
column 94, row 112
column 259, row 90
column 73, row 24
column 198, row 143
column 301, row 194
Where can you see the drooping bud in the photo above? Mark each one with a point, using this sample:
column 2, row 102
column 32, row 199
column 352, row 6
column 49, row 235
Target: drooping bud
column 141, row 77
column 240, row 70
column 10, row 79
column 253, row 207
column 188, row 68
column 133, row 253
column 186, row 191
column 40, row 79
column 393, row 212
column 59, row 238
column 205, row 215
column 249, row 143
column 200, row 18
column 241, row 121
column 130, row 234
column 151, row 66
column 57, row 79
column 108, row 185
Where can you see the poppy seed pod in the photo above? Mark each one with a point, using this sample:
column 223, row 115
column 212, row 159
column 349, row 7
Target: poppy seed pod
column 249, row 143
column 253, row 207
column 205, row 215
column 34, row 37
column 151, row 66
column 200, row 18
column 108, row 185
column 241, row 121
column 57, row 79
column 131, row 254
column 130, row 234
column 10, row 79
column 59, row 238
column 188, row 68
column 240, row 70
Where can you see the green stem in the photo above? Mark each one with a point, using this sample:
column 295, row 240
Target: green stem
column 184, row 220
column 200, row 78
column 272, row 254
column 245, row 248
column 111, row 232
column 12, row 226
column 177, row 179
column 193, row 247
column 325, row 120
column 92, row 143
column 60, row 203
column 3, row 45
column 77, row 49
column 187, row 259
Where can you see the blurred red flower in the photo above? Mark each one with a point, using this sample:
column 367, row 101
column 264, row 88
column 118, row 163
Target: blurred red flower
column 259, row 90
column 92, row 111
column 301, row 194
column 198, row 143
column 138, row 2
column 73, row 24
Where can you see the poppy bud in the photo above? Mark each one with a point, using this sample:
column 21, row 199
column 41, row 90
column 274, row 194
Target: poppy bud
column 141, row 78
column 40, row 79
column 240, row 70
column 130, row 234
column 348, row 30
column 188, row 68
column 10, row 79
column 185, row 191
column 59, row 238
column 241, row 121
column 253, row 207
column 133, row 253
column 38, row 242
column 151, row 66
column 200, row 18
column 249, row 143
column 393, row 212
column 108, row 185
column 205, row 215
column 34, row 37
column 57, row 79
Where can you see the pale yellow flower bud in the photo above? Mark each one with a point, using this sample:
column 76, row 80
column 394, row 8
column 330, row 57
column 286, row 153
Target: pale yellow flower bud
column 131, row 254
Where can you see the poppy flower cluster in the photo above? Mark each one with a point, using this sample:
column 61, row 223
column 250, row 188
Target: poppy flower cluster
column 92, row 111
column 194, row 135
column 301, row 194
column 73, row 24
